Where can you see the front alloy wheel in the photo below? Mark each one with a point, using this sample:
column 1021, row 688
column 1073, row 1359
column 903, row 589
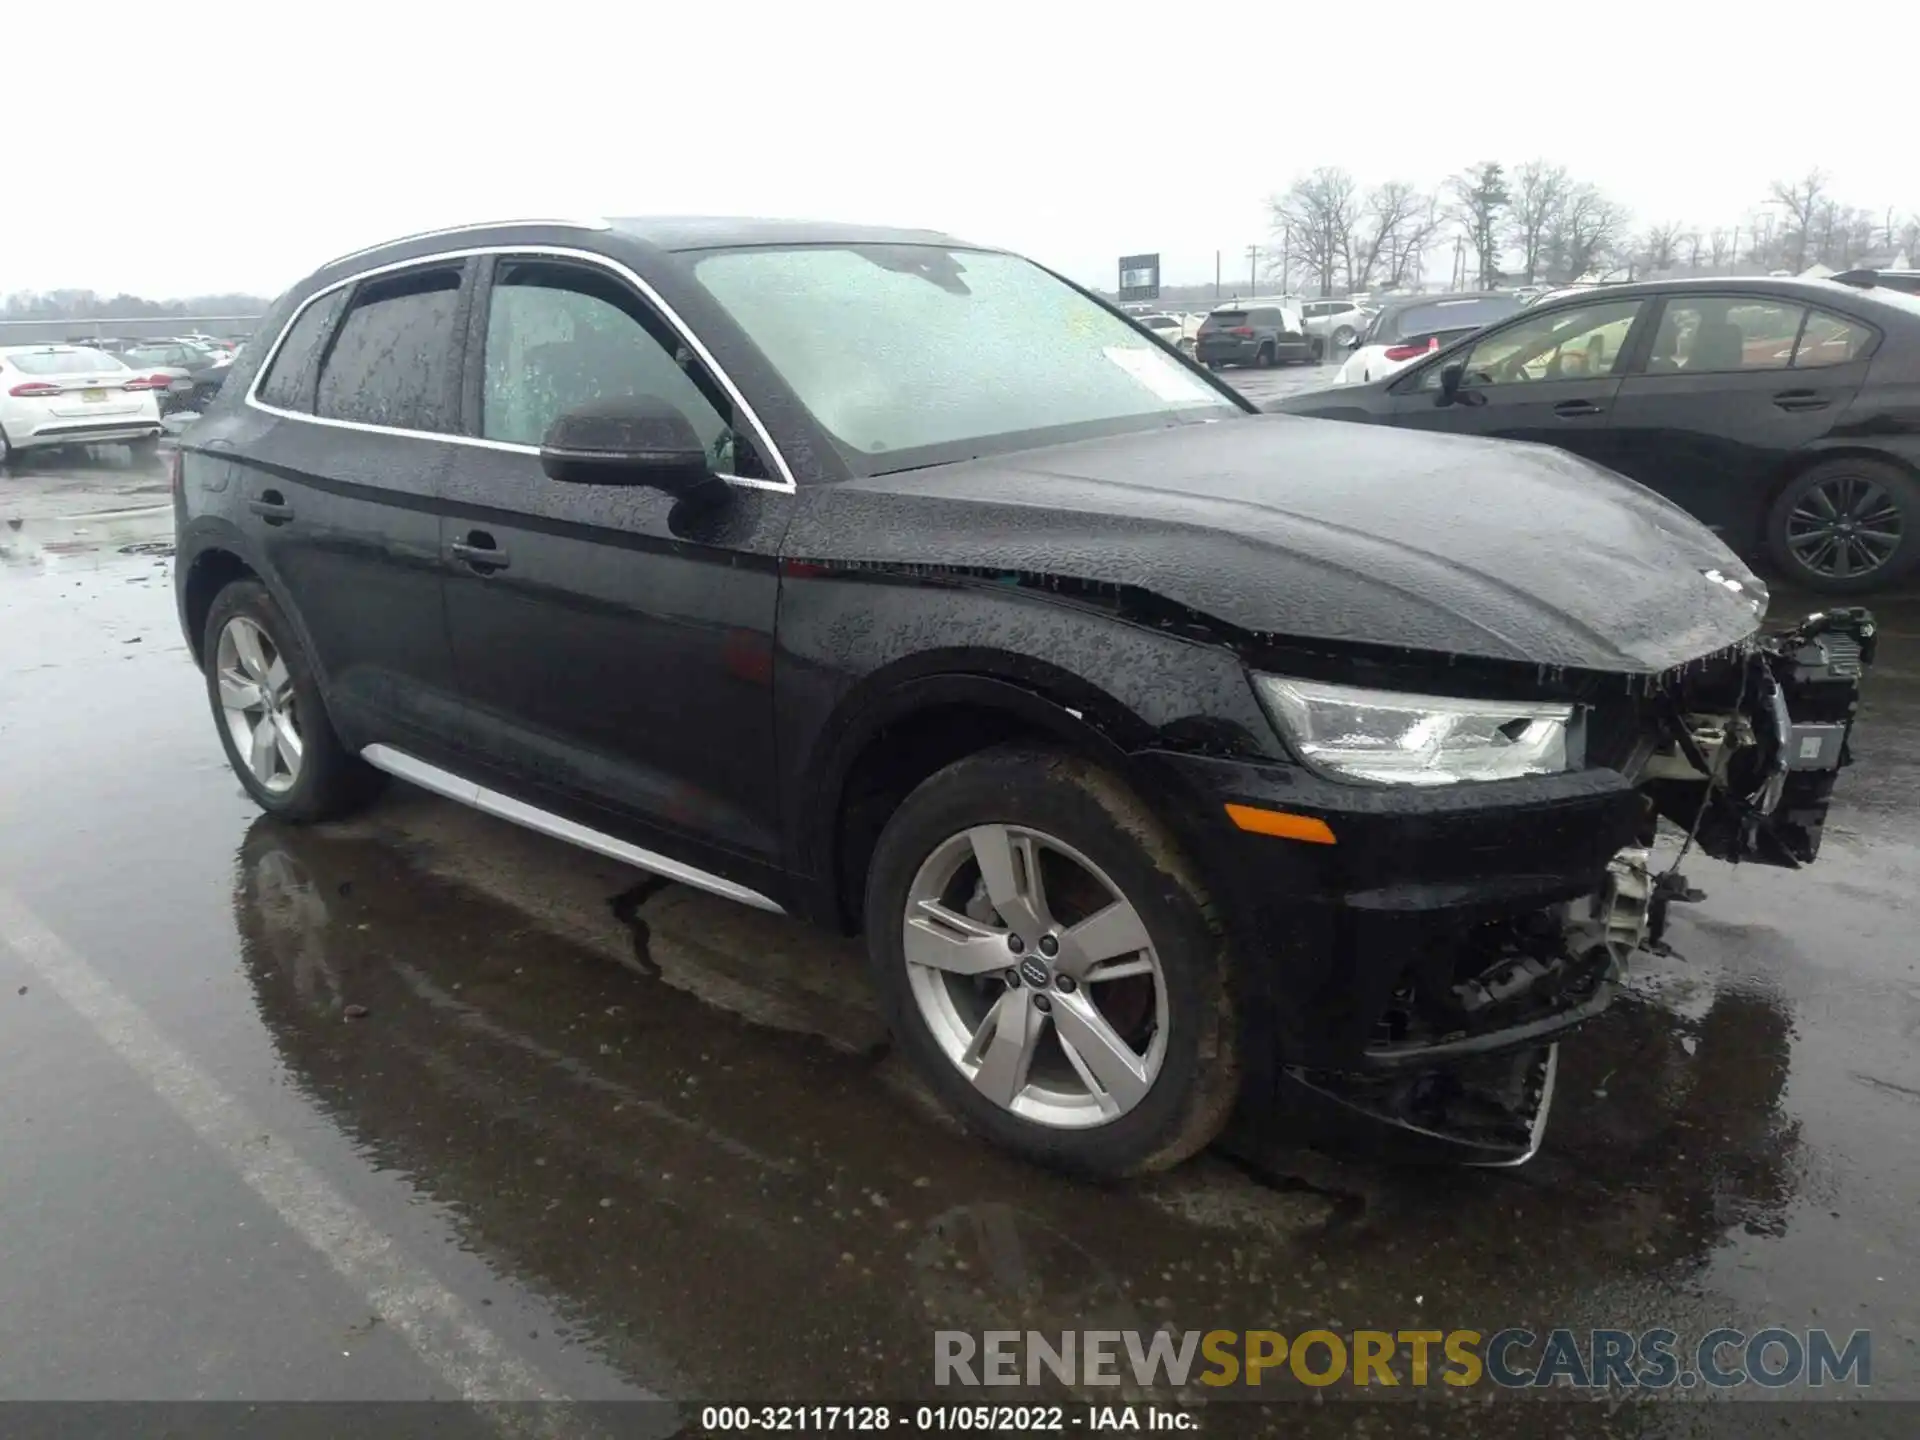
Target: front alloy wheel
column 1051, row 965
column 1036, row 976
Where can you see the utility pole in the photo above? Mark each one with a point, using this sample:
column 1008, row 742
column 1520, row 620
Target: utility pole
column 1253, row 271
column 1286, row 261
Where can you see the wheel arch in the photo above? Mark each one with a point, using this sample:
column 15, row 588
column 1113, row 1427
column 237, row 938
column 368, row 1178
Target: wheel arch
column 902, row 730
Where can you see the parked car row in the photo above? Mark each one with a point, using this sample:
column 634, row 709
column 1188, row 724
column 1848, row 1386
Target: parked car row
column 1780, row 412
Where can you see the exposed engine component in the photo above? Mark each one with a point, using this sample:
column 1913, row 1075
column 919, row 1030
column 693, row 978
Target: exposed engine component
column 1747, row 767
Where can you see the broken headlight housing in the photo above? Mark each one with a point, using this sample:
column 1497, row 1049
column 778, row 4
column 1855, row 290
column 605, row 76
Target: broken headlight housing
column 1398, row 739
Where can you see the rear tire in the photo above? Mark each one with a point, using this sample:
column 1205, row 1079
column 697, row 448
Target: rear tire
column 261, row 686
column 6, row 448
column 1263, row 357
column 1343, row 337
column 1829, row 528
column 1105, row 855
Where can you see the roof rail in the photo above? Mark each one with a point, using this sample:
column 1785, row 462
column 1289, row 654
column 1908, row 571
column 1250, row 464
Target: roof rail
column 459, row 229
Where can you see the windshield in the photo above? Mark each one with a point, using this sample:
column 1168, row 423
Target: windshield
column 915, row 354
column 63, row 362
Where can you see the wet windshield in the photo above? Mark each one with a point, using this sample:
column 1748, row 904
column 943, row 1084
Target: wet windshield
column 913, row 354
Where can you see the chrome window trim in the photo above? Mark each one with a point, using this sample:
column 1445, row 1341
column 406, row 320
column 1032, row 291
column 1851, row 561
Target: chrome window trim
column 491, row 802
column 465, row 229
column 784, row 485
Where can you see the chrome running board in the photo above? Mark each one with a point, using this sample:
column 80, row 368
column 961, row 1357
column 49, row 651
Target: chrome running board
column 491, row 802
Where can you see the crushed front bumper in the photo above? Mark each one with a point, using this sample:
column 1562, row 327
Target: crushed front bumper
column 1403, row 987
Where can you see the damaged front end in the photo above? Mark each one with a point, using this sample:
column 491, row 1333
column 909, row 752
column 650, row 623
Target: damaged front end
column 1739, row 755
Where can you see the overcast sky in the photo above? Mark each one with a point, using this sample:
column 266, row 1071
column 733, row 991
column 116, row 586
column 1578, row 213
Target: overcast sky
column 232, row 146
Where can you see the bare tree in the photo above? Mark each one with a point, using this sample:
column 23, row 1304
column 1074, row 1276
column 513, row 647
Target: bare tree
column 1802, row 201
column 1720, row 248
column 1539, row 189
column 1586, row 235
column 1406, row 255
column 1480, row 205
column 1390, row 209
column 1316, row 219
column 1660, row 247
column 1693, row 243
column 1910, row 239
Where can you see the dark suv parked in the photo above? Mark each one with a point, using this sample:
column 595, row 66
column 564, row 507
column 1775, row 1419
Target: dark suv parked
column 1169, row 756
column 1254, row 334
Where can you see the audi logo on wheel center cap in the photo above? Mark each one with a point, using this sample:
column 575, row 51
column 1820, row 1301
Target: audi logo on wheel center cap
column 1036, row 972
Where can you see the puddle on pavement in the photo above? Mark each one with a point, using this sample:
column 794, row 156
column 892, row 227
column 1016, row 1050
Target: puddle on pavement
column 766, row 1208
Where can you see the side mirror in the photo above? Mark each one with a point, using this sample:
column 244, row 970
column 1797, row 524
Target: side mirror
column 627, row 440
column 1450, row 378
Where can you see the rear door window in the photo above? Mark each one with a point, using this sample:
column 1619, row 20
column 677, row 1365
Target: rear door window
column 390, row 363
column 1226, row 319
column 289, row 381
column 1712, row 334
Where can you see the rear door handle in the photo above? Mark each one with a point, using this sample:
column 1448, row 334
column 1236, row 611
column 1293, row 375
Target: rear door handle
column 479, row 552
column 1801, row 400
column 1573, row 409
column 272, row 507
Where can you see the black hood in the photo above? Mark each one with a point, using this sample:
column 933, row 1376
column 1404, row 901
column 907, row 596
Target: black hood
column 1319, row 530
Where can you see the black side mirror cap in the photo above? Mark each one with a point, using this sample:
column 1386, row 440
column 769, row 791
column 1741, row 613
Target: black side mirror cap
column 626, row 440
column 1450, row 378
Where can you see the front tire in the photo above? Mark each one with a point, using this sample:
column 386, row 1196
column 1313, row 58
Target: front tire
column 270, row 714
column 1847, row 526
column 1051, row 966
column 1343, row 337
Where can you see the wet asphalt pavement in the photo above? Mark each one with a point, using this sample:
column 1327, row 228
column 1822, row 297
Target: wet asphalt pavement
column 423, row 1106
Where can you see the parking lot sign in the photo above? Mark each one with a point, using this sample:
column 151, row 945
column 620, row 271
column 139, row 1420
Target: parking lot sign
column 1139, row 277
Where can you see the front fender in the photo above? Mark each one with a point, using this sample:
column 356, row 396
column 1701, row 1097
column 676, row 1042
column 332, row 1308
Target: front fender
column 860, row 651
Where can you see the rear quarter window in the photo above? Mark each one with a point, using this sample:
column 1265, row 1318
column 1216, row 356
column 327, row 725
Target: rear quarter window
column 290, row 377
column 1829, row 340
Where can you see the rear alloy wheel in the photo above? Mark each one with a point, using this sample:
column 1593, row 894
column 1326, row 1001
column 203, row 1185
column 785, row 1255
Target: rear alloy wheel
column 1263, row 357
column 272, row 718
column 1049, row 965
column 1343, row 337
column 1847, row 525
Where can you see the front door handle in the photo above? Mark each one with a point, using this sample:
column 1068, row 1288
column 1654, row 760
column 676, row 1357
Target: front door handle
column 479, row 552
column 272, row 507
column 1795, row 400
column 1574, row 409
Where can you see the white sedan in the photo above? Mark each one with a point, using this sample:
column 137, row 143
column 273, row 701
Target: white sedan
column 71, row 395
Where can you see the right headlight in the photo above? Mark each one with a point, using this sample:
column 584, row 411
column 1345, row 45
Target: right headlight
column 1400, row 739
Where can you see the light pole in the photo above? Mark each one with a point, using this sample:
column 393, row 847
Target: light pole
column 1253, row 271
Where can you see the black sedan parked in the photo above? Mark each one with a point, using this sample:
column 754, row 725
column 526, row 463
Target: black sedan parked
column 1783, row 413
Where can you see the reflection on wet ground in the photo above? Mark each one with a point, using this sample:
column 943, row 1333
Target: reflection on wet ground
column 658, row 1138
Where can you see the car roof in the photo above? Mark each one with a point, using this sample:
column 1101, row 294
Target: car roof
column 43, row 349
column 1809, row 290
column 664, row 233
